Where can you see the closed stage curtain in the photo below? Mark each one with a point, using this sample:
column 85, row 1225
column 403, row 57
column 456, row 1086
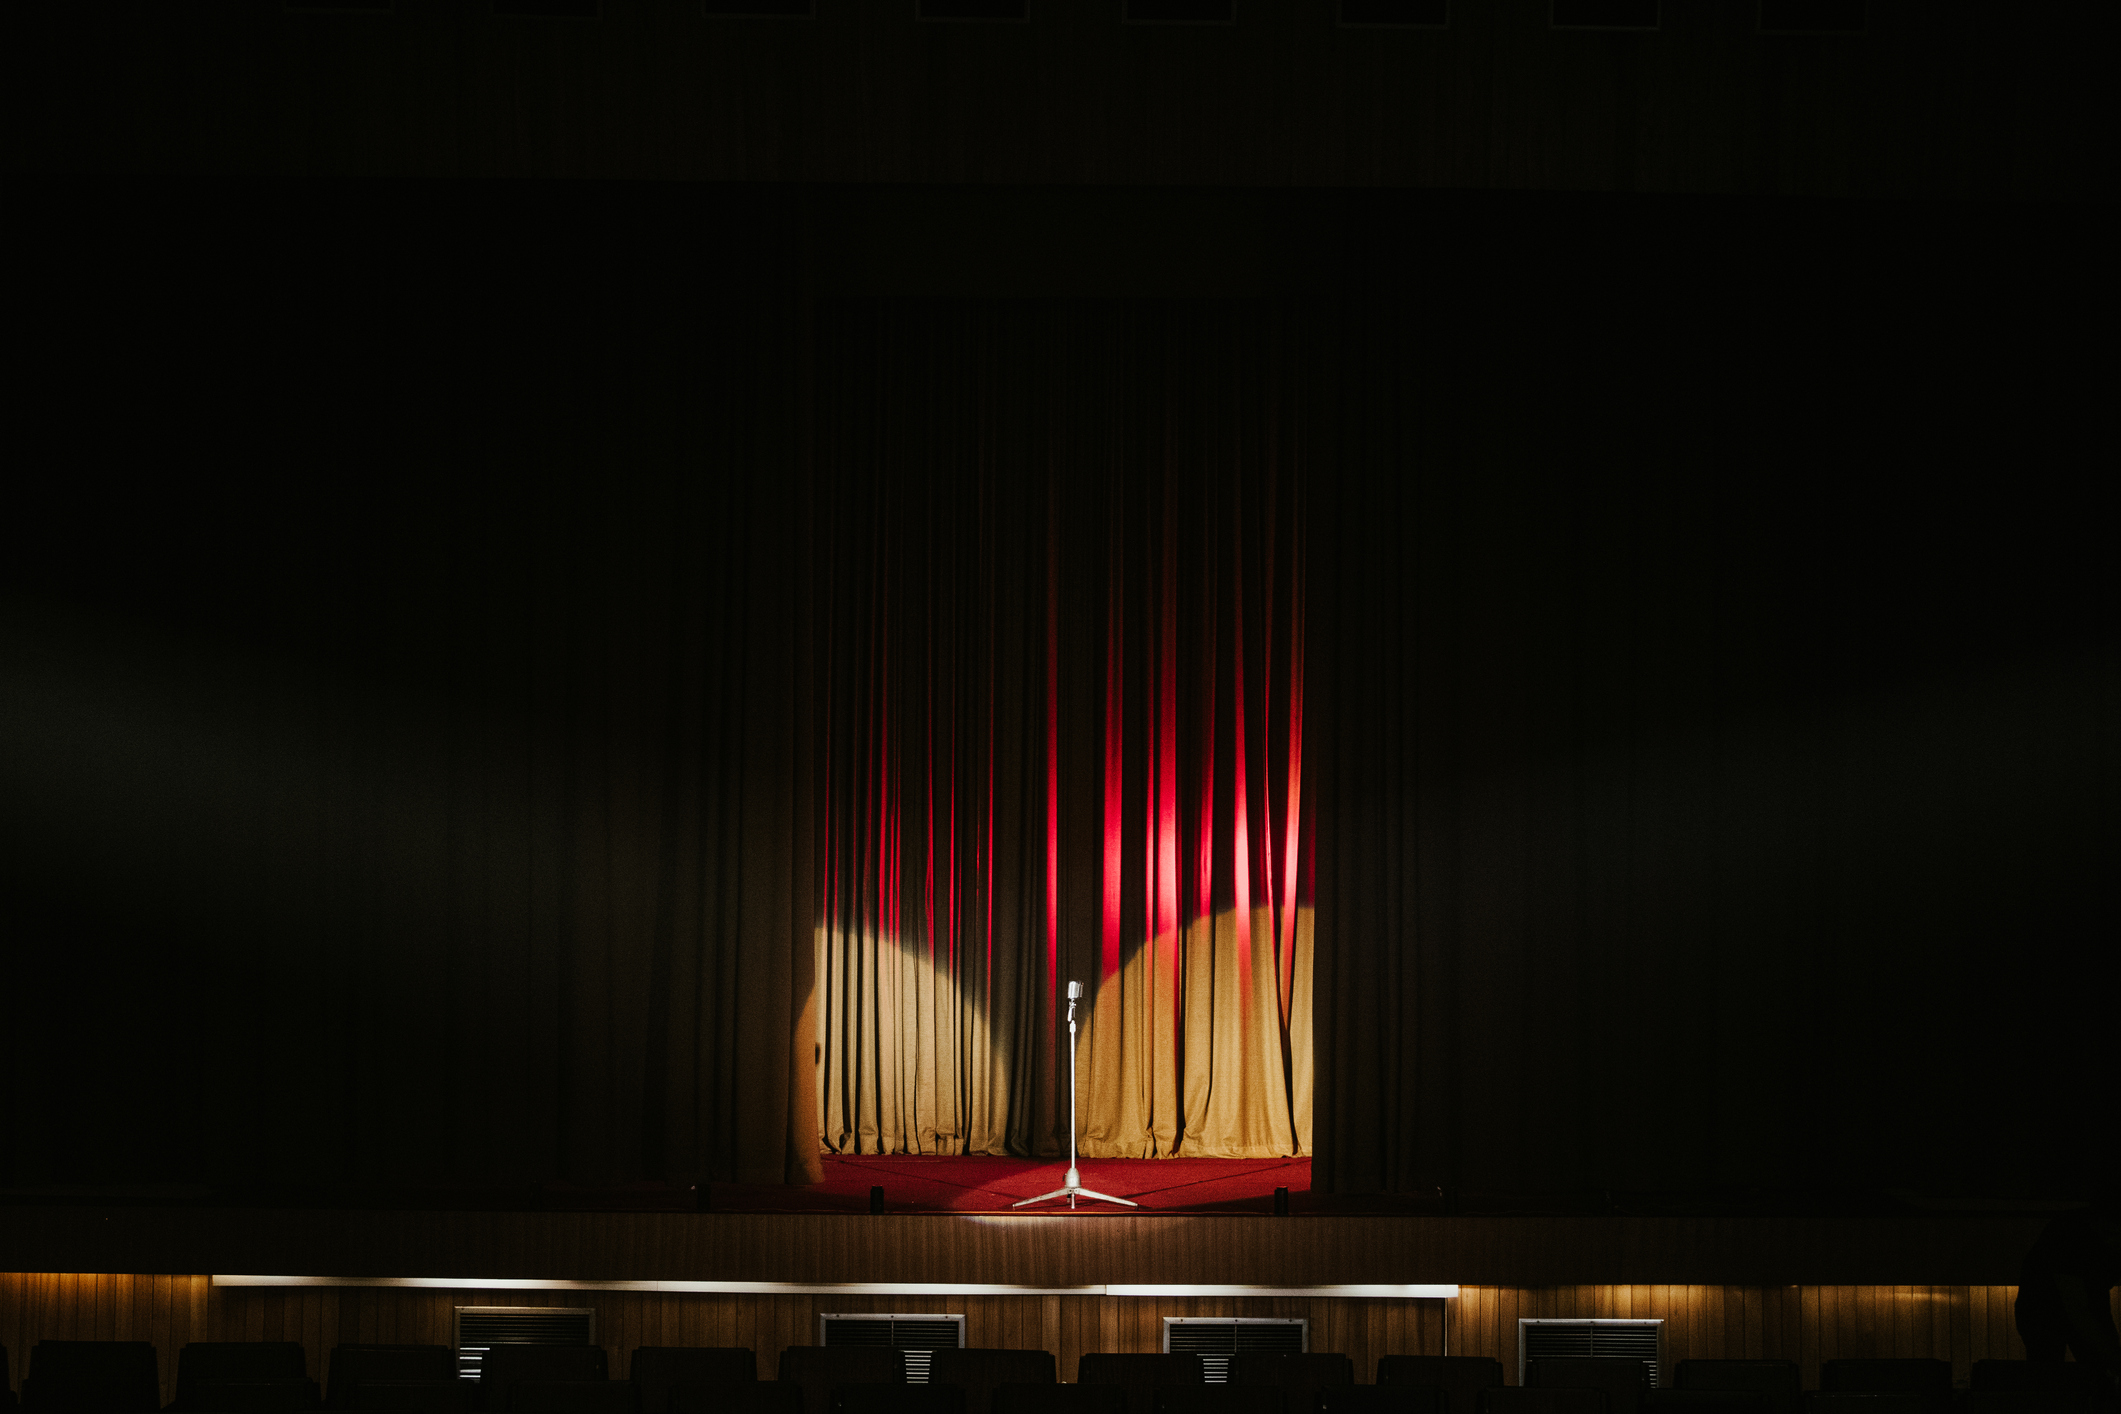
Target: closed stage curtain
column 1061, row 667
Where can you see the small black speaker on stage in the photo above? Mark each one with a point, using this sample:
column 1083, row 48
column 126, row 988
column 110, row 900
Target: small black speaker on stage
column 702, row 1198
column 1281, row 1202
column 876, row 1198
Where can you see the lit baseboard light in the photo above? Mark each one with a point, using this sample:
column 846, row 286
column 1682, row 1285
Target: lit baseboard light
column 1375, row 1292
column 859, row 1288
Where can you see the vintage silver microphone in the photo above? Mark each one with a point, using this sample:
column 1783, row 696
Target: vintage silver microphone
column 1072, row 1188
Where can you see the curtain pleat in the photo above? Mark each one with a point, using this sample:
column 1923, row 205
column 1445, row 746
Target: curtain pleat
column 1060, row 656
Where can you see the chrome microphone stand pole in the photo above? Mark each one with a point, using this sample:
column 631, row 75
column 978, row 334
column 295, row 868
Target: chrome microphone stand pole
column 1072, row 1187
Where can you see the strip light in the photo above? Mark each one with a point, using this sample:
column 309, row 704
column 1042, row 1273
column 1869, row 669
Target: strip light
column 851, row 1288
column 1375, row 1292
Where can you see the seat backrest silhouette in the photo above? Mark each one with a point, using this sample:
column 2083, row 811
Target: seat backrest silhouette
column 818, row 1368
column 757, row 1397
column 1459, row 1377
column 2033, row 1401
column 105, row 1376
column 1777, row 1380
column 355, row 1365
column 1864, row 1402
column 244, row 1377
column 1885, row 1377
column 1706, row 1401
column 1624, row 1380
column 1376, row 1399
column 1139, row 1371
column 241, row 1360
column 1297, row 1373
column 1222, row 1399
column 507, row 1365
column 409, row 1397
column 573, row 1397
column 655, row 1370
column 898, row 1398
column 7, row 1383
column 2011, row 1376
column 1514, row 1399
column 1058, row 1399
column 980, row 1372
column 1140, row 1375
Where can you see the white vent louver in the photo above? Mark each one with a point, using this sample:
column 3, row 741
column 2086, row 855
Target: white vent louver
column 913, row 1336
column 1216, row 1338
column 1541, row 1337
column 480, row 1328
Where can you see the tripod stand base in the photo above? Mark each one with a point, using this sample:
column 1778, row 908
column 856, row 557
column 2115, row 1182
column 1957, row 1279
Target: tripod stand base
column 1073, row 1189
column 1071, row 1194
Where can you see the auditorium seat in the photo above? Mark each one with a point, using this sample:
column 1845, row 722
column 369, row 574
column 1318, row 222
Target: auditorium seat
column 2001, row 1376
column 757, row 1397
column 572, row 1397
column 1140, row 1375
column 1706, row 1401
column 93, row 1377
column 980, row 1372
column 244, row 1377
column 1222, row 1399
column 415, row 1377
column 452, row 1396
column 815, row 1369
column 7, row 1383
column 1059, row 1399
column 1296, row 1375
column 1885, row 1377
column 656, row 1370
column 506, row 1366
column 1458, row 1378
column 1778, row 1380
column 1513, row 1399
column 1624, row 1380
column 1864, row 1402
column 898, row 1398
column 2032, row 1401
column 1377, row 1399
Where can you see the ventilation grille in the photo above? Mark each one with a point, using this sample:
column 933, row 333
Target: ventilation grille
column 481, row 1328
column 1216, row 1338
column 1540, row 1339
column 915, row 1336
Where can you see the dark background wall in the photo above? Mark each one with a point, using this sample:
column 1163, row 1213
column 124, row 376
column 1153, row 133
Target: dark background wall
column 1935, row 99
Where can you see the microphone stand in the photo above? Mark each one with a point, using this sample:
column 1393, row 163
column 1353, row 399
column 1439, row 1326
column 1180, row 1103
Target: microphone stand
column 1072, row 1187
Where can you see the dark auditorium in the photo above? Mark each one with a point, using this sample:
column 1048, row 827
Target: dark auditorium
column 1059, row 707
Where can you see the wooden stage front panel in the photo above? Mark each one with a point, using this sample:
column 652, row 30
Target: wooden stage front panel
column 1083, row 1249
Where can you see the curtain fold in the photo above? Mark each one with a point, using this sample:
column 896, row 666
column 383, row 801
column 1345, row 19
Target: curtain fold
column 1061, row 674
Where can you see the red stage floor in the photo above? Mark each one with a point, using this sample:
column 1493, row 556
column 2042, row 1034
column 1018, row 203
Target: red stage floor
column 919, row 1184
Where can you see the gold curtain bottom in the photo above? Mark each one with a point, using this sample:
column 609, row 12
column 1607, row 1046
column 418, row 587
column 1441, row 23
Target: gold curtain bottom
column 1198, row 1047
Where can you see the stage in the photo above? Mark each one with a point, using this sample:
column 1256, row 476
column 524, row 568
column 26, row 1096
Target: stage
column 983, row 1184
column 657, row 1271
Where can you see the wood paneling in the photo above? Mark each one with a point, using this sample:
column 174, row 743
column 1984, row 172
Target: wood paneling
column 1807, row 1324
column 1090, row 1249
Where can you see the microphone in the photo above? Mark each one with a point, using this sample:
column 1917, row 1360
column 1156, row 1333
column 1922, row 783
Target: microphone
column 1075, row 991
